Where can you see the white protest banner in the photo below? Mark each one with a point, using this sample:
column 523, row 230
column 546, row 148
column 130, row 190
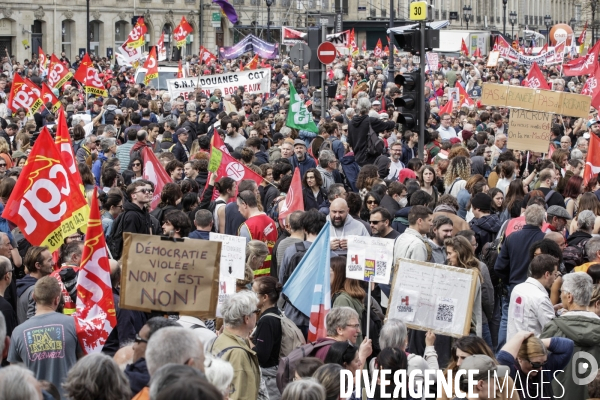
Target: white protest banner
column 454, row 94
column 433, row 61
column 233, row 254
column 339, row 39
column 369, row 259
column 253, row 81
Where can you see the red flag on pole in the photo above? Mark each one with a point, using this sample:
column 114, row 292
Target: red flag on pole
column 63, row 143
column 95, row 317
column 22, row 95
column 477, row 52
column 581, row 39
column 447, row 108
column 179, row 70
column 225, row 165
column 294, row 200
column 43, row 60
column 464, row 99
column 592, row 87
column 535, row 79
column 181, row 32
column 49, row 97
column 93, row 84
column 378, row 49
column 463, row 48
column 592, row 162
column 81, row 72
column 58, row 74
column 161, row 51
column 151, row 66
column 155, row 173
column 46, row 203
column 137, row 36
column 253, row 63
column 583, row 65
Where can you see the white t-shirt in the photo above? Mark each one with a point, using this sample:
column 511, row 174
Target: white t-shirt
column 395, row 168
column 446, row 133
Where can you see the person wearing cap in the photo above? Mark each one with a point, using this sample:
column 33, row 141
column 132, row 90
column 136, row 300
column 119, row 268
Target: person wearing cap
column 485, row 225
column 594, row 127
column 213, row 109
column 557, row 217
column 300, row 158
column 180, row 150
column 376, row 105
column 487, row 373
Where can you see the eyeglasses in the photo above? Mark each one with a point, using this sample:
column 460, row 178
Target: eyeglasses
column 371, row 202
column 137, row 164
column 138, row 339
column 374, row 222
column 356, row 326
column 146, row 191
column 3, row 165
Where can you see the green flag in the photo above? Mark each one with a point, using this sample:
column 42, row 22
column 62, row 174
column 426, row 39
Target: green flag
column 216, row 156
column 298, row 116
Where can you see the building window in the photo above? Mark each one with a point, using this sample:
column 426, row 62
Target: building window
column 68, row 28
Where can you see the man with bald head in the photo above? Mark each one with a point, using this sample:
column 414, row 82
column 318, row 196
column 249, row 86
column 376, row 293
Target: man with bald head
column 343, row 225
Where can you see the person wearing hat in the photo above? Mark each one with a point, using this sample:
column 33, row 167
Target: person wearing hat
column 557, row 217
column 485, row 225
column 213, row 109
column 300, row 158
column 180, row 150
column 594, row 127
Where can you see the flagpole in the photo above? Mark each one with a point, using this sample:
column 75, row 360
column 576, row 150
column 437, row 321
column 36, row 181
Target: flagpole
column 369, row 309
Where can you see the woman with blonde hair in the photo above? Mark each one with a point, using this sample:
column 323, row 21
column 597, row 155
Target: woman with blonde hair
column 534, row 361
column 588, row 201
column 256, row 253
column 459, row 171
column 5, row 154
column 460, row 254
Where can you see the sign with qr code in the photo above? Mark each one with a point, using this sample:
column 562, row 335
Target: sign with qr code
column 435, row 297
column 369, row 259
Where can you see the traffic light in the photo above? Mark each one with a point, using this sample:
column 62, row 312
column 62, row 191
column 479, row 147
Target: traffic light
column 408, row 102
column 409, row 41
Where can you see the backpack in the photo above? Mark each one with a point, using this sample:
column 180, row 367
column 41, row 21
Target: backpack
column 375, row 145
column 574, row 256
column 295, row 260
column 291, row 338
column 287, row 365
column 114, row 241
column 489, row 255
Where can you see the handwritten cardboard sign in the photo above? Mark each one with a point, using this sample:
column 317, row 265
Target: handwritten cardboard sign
column 547, row 101
column 233, row 264
column 529, row 130
column 162, row 275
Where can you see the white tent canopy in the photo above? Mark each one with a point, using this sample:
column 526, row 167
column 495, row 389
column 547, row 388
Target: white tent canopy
column 432, row 25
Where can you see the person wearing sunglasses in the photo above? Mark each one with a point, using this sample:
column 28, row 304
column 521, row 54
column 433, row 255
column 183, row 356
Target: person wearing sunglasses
column 533, row 363
column 136, row 218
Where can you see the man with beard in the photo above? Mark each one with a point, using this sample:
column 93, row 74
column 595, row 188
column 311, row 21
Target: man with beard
column 380, row 221
column 441, row 230
column 234, row 138
column 343, row 225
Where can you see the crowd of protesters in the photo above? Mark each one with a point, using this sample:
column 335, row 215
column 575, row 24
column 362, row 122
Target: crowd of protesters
column 525, row 221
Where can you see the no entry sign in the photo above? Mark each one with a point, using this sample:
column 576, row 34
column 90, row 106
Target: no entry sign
column 326, row 52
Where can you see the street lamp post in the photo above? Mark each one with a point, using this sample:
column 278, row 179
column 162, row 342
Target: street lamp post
column 593, row 6
column 87, row 19
column 504, row 17
column 269, row 4
column 467, row 12
column 513, row 21
column 548, row 23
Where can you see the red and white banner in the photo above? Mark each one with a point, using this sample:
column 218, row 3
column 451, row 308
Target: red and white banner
column 155, row 173
column 464, row 99
column 96, row 315
column 592, row 88
column 294, row 200
column 42, row 59
column 378, row 52
column 181, row 32
column 46, row 203
column 64, row 145
column 535, row 79
column 292, row 36
column 161, row 51
column 58, row 74
column 129, row 55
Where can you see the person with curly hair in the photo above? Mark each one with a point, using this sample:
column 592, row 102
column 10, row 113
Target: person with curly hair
column 459, row 171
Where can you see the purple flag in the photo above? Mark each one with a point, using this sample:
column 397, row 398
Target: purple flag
column 228, row 10
column 250, row 43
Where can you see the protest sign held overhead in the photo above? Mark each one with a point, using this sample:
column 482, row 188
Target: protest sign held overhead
column 169, row 276
column 369, row 259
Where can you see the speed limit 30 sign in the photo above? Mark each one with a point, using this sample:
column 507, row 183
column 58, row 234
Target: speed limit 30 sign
column 418, row 11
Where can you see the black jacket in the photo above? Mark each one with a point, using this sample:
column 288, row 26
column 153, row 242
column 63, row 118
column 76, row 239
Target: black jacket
column 486, row 228
column 309, row 199
column 193, row 133
column 179, row 153
column 135, row 219
column 358, row 132
column 138, row 375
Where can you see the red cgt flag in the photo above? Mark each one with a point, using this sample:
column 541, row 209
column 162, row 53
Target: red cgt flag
column 161, row 51
column 63, row 143
column 95, row 317
column 477, row 52
column 93, row 84
column 253, row 63
column 463, row 48
column 58, row 74
column 225, row 165
column 22, row 95
column 81, row 73
column 447, row 108
column 151, row 66
column 137, row 37
column 378, row 49
column 155, row 173
column 535, row 79
column 464, row 99
column 49, row 97
column 592, row 87
column 592, row 162
column 294, row 200
column 181, row 32
column 46, row 203
column 206, row 56
column 42, row 59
